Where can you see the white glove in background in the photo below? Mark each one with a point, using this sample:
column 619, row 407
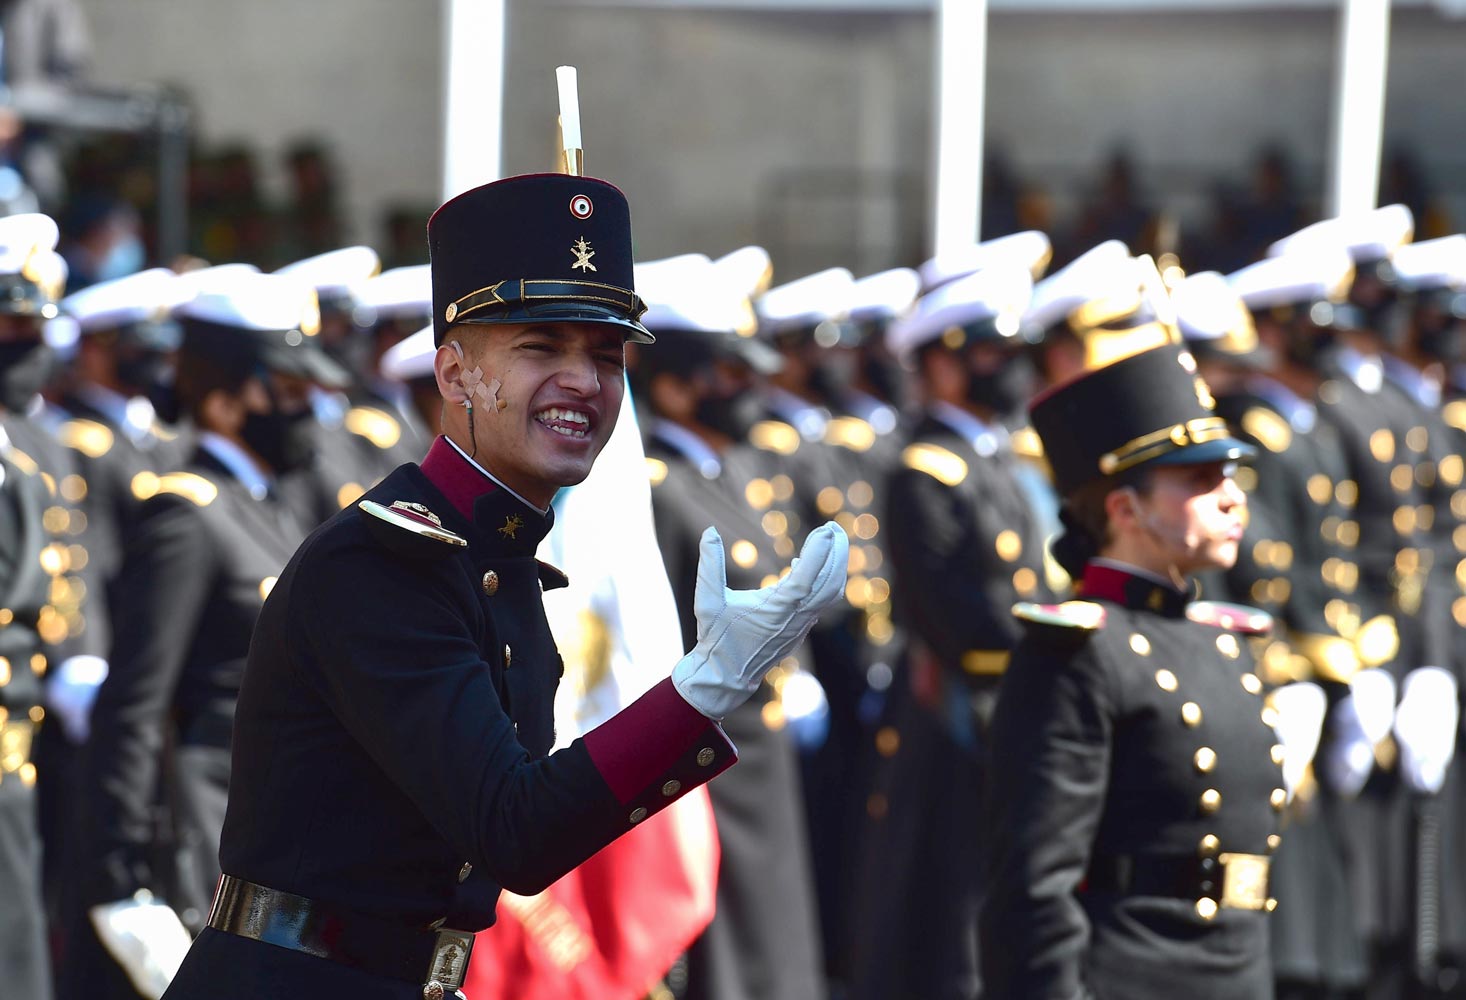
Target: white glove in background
column 1301, row 707
column 806, row 710
column 145, row 937
column 742, row 634
column 71, row 690
column 1425, row 727
column 1362, row 719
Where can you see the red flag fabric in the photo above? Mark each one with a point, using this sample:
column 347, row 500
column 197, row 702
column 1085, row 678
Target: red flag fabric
column 613, row 926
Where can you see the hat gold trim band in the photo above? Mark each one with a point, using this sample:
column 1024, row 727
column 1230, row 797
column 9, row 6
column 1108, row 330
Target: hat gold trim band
column 524, row 290
column 1158, row 443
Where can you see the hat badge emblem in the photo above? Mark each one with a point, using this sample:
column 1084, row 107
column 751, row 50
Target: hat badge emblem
column 582, row 207
column 583, row 254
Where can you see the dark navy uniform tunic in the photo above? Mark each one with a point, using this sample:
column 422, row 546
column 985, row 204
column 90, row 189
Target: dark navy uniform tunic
column 1135, row 750
column 392, row 730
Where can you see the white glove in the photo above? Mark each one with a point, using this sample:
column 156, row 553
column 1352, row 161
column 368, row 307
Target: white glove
column 742, row 634
column 1361, row 720
column 145, row 937
column 1301, row 707
column 71, row 690
column 1425, row 727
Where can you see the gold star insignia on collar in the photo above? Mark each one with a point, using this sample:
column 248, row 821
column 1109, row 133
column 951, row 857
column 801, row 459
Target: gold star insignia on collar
column 512, row 523
column 583, row 254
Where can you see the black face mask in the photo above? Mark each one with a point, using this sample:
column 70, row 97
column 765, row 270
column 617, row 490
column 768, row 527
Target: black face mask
column 886, row 378
column 731, row 415
column 285, row 441
column 1305, row 345
column 141, row 374
column 1005, row 390
column 25, row 368
column 832, row 378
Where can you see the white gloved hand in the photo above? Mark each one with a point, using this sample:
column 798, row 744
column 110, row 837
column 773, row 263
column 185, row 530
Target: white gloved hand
column 71, row 690
column 742, row 634
column 1361, row 720
column 145, row 937
column 1425, row 727
column 1301, row 707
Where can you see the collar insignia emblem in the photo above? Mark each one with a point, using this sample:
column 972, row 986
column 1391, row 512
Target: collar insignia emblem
column 512, row 523
column 583, row 254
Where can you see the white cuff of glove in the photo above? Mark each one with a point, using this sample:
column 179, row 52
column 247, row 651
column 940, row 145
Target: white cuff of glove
column 145, row 937
column 743, row 634
column 1425, row 727
column 71, row 691
column 1301, row 707
column 1361, row 720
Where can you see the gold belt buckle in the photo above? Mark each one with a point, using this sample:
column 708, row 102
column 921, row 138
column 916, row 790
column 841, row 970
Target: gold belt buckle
column 450, row 963
column 1244, row 881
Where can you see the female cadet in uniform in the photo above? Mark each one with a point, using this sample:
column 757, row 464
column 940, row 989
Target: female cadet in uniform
column 391, row 746
column 1136, row 779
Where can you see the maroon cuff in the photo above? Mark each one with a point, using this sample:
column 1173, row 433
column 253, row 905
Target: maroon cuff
column 640, row 744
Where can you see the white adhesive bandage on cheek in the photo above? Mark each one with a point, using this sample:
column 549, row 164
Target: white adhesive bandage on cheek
column 474, row 385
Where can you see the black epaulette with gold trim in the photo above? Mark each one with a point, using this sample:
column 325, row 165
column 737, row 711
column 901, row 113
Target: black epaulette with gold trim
column 1079, row 618
column 775, row 436
column 189, row 486
column 1232, row 617
column 409, row 529
column 86, row 436
column 377, row 426
column 942, row 465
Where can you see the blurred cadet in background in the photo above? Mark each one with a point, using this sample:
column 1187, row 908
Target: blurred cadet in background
column 696, row 387
column 42, row 599
column 963, row 547
column 210, row 543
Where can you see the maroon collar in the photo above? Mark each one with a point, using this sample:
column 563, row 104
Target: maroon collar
column 1109, row 583
column 455, row 477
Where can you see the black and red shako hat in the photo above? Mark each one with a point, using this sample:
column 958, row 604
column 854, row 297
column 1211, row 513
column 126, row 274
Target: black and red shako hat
column 1149, row 408
column 535, row 248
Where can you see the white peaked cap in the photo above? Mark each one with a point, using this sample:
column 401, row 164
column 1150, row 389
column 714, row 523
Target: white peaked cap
column 881, row 297
column 412, row 357
column 1364, row 235
column 336, row 272
column 999, row 293
column 1294, row 279
column 1087, row 277
column 137, row 297
column 1030, row 249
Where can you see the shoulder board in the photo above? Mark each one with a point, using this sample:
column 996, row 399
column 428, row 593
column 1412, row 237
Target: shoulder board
column 1454, row 414
column 23, row 462
column 1269, row 428
column 1080, row 616
column 656, row 471
column 1232, row 617
column 1026, row 442
column 378, row 427
column 775, row 436
column 86, row 436
column 163, row 432
column 550, row 577
column 189, row 486
column 850, row 432
column 936, row 461
column 409, row 529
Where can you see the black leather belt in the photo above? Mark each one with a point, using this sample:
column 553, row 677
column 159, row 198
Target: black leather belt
column 1237, row 881
column 435, row 958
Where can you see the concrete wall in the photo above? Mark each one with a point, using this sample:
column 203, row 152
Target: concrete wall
column 807, row 132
